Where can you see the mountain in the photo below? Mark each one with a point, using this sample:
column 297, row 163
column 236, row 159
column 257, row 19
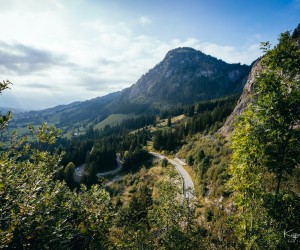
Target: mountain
column 4, row 110
column 64, row 115
column 186, row 76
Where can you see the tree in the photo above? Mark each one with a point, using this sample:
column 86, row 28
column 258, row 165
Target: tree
column 169, row 122
column 164, row 163
column 68, row 174
column 172, row 220
column 4, row 119
column 266, row 147
column 277, row 107
column 37, row 210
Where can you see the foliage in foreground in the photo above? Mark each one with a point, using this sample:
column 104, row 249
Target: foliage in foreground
column 267, row 152
column 37, row 211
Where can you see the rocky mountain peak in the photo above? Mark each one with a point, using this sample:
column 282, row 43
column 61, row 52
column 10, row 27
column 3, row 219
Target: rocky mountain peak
column 187, row 75
column 181, row 52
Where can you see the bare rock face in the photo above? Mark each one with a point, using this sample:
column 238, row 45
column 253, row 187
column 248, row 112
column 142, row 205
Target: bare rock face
column 227, row 128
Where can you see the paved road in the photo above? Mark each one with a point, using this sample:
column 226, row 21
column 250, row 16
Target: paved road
column 112, row 172
column 157, row 155
column 79, row 171
column 116, row 178
column 188, row 185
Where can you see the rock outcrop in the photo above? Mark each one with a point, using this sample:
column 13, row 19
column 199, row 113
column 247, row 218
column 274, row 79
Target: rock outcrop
column 227, row 128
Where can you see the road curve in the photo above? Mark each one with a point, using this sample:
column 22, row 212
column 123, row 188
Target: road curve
column 118, row 169
column 79, row 171
column 188, row 185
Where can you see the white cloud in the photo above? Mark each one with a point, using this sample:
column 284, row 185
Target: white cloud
column 84, row 58
column 145, row 20
column 227, row 53
column 231, row 54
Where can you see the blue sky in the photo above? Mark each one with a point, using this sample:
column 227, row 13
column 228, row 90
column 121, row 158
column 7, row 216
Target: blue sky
column 60, row 51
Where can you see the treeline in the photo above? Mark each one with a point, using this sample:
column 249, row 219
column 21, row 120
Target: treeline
column 135, row 140
column 133, row 160
column 101, row 158
column 200, row 107
column 77, row 147
column 208, row 115
column 167, row 139
column 75, row 150
column 132, row 152
column 205, row 116
column 99, row 155
column 127, row 125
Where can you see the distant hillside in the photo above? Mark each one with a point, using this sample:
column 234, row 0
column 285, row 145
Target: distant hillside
column 4, row 110
column 185, row 76
column 113, row 120
column 74, row 115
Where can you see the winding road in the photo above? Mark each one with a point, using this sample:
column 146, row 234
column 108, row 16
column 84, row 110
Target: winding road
column 112, row 172
column 79, row 171
column 187, row 183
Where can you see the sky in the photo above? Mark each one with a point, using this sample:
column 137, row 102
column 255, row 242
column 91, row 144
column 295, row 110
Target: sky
column 60, row 51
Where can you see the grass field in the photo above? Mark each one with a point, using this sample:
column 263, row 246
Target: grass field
column 174, row 120
column 114, row 120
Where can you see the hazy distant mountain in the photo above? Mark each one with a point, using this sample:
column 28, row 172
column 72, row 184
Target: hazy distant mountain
column 185, row 76
column 4, row 110
column 64, row 115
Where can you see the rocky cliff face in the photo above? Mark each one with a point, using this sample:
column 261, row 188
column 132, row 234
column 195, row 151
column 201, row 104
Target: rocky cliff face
column 243, row 101
column 186, row 76
column 227, row 128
